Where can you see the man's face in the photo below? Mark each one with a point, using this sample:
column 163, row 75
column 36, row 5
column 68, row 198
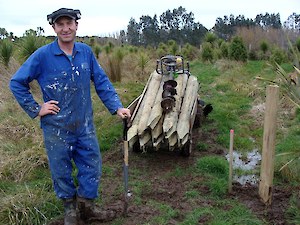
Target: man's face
column 65, row 28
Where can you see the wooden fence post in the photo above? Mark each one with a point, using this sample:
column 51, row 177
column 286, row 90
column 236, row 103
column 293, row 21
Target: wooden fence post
column 268, row 151
column 230, row 161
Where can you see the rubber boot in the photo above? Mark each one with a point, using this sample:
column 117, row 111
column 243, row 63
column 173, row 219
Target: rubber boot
column 70, row 211
column 88, row 210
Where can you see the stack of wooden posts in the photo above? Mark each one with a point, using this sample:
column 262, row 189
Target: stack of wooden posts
column 151, row 126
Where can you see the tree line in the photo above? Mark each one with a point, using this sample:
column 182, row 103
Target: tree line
column 180, row 26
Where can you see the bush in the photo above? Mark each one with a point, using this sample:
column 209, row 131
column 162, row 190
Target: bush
column 97, row 51
column 264, row 46
column 298, row 44
column 210, row 37
column 29, row 44
column 6, row 51
column 278, row 56
column 224, row 49
column 237, row 49
column 189, row 52
column 143, row 59
column 207, row 53
column 252, row 55
column 173, row 47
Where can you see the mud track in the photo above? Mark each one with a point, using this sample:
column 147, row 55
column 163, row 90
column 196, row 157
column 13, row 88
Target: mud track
column 154, row 169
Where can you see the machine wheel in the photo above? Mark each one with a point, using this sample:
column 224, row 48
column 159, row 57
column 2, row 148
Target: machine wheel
column 136, row 147
column 186, row 149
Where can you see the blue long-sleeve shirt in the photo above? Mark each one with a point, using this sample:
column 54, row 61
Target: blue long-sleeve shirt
column 67, row 81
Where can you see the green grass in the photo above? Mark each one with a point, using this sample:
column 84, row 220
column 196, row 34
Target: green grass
column 215, row 169
column 293, row 213
column 26, row 190
column 225, row 213
column 166, row 212
column 28, row 203
column 216, row 165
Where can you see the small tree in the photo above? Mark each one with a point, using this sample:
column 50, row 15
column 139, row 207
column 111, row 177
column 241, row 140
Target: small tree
column 278, row 56
column 210, row 37
column 143, row 59
column 264, row 47
column 173, row 47
column 224, row 49
column 207, row 53
column 237, row 49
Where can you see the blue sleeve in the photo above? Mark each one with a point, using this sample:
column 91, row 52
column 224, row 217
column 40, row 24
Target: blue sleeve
column 104, row 88
column 19, row 85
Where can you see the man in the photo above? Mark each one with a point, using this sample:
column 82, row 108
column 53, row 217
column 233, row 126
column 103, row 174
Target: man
column 64, row 69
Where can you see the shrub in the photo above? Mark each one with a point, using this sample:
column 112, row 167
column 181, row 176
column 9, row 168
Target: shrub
column 6, row 51
column 298, row 44
column 278, row 56
column 210, row 37
column 224, row 49
column 112, row 64
column 189, row 52
column 29, row 44
column 252, row 55
column 237, row 49
column 264, row 46
column 162, row 50
column 173, row 47
column 207, row 52
column 97, row 51
column 143, row 59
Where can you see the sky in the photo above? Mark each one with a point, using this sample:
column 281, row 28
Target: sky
column 106, row 18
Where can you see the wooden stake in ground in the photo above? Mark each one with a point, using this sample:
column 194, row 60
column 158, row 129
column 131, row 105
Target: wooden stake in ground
column 230, row 161
column 268, row 151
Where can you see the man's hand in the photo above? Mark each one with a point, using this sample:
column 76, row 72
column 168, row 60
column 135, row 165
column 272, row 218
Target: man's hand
column 123, row 113
column 49, row 107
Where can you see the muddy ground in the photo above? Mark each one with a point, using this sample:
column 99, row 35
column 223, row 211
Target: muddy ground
column 155, row 167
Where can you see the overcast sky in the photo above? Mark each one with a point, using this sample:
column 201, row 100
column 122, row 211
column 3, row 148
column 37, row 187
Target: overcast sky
column 110, row 16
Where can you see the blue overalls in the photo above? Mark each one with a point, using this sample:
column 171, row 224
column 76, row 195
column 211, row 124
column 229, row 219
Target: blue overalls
column 70, row 134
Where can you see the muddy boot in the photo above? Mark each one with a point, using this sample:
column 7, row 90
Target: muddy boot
column 89, row 211
column 70, row 211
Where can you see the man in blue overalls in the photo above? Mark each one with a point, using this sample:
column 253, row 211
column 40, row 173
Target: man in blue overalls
column 64, row 70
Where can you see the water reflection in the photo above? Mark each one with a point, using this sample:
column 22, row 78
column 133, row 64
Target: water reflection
column 247, row 162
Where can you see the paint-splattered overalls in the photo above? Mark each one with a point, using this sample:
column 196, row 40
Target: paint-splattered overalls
column 70, row 134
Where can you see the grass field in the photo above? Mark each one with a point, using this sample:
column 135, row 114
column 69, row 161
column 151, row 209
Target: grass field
column 167, row 189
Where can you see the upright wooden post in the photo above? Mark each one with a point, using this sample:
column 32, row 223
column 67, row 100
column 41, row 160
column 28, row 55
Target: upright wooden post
column 268, row 151
column 230, row 161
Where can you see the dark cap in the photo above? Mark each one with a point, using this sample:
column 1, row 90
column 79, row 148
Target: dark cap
column 72, row 13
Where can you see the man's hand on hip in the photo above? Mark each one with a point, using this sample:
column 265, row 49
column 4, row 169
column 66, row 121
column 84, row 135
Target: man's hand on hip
column 49, row 107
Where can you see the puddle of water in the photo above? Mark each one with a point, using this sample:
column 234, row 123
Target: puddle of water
column 246, row 163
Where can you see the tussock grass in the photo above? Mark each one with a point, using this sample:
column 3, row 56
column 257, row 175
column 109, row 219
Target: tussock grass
column 22, row 166
column 33, row 205
column 6, row 51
